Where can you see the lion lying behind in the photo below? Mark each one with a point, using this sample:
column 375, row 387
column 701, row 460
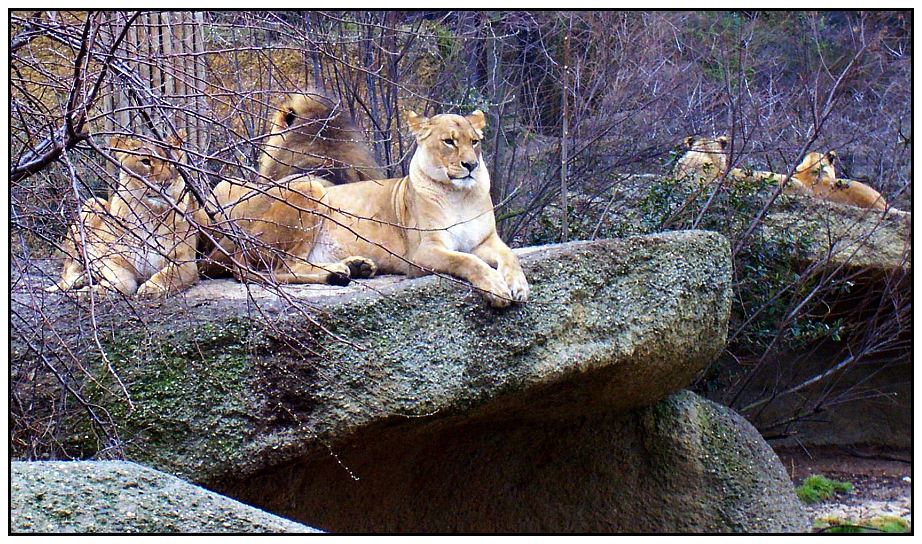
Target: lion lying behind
column 437, row 219
column 136, row 241
column 313, row 135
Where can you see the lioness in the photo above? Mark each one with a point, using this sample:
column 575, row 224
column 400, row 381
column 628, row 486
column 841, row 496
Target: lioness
column 136, row 241
column 312, row 135
column 705, row 160
column 437, row 219
column 817, row 172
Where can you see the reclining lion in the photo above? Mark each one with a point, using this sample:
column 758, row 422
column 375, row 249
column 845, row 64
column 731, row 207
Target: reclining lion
column 437, row 219
column 817, row 174
column 141, row 240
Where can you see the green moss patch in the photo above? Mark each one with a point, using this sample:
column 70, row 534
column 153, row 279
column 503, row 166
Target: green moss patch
column 818, row 488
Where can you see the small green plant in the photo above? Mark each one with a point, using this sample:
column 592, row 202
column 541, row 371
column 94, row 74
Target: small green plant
column 817, row 488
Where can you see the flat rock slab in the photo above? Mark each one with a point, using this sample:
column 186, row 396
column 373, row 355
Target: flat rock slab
column 121, row 497
column 223, row 386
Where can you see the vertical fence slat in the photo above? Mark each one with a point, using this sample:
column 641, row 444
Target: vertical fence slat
column 144, row 48
column 200, row 102
column 156, row 52
column 123, row 114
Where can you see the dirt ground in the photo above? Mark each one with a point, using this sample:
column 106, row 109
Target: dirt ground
column 882, row 481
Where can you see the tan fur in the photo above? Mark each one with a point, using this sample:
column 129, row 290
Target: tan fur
column 437, row 219
column 817, row 172
column 135, row 242
column 705, row 161
column 312, row 135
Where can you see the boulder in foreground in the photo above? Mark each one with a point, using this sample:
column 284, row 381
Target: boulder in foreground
column 120, row 497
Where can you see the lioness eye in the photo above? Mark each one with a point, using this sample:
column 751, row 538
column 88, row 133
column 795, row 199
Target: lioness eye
column 475, row 142
column 449, row 141
column 145, row 162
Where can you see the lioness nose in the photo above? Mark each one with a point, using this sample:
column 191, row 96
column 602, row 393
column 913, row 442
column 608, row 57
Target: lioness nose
column 471, row 166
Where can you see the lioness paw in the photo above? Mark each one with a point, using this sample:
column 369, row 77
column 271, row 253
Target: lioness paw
column 494, row 290
column 361, row 267
column 97, row 291
column 518, row 285
column 339, row 274
column 152, row 289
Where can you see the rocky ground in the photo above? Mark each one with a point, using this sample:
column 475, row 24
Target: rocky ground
column 882, row 483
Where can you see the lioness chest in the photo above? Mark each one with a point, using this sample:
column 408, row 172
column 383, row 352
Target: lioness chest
column 147, row 246
column 466, row 233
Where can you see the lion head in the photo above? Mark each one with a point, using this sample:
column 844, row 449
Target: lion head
column 448, row 147
column 147, row 172
column 311, row 133
column 817, row 169
column 705, row 157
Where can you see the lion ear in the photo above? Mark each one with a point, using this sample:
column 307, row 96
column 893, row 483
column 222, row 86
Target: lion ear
column 419, row 126
column 723, row 141
column 477, row 120
column 284, row 117
column 690, row 141
column 289, row 117
column 831, row 156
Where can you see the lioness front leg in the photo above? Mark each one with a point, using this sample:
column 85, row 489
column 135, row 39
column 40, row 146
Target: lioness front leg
column 496, row 253
column 73, row 273
column 468, row 267
column 172, row 278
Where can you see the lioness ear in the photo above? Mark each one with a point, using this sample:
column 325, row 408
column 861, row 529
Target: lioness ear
column 689, row 141
column 419, row 126
column 122, row 143
column 831, row 156
column 723, row 141
column 477, row 120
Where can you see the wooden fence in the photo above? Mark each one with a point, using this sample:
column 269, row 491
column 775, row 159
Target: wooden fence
column 167, row 50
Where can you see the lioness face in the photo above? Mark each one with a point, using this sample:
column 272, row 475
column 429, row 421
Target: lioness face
column 818, row 169
column 448, row 146
column 713, row 149
column 153, row 177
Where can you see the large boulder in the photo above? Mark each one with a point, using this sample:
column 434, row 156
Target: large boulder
column 682, row 465
column 266, row 394
column 120, row 497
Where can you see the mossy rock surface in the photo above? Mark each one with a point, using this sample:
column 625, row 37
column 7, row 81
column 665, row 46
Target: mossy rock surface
column 227, row 379
column 121, row 497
